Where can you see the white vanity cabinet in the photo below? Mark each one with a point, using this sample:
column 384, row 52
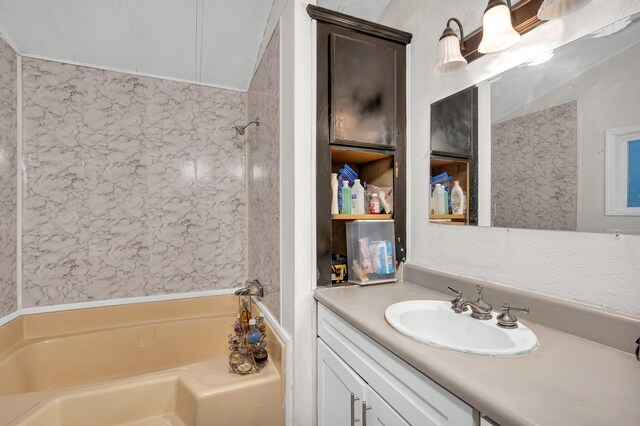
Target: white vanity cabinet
column 362, row 383
column 345, row 399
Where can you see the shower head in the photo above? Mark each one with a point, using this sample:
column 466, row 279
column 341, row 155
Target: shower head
column 240, row 130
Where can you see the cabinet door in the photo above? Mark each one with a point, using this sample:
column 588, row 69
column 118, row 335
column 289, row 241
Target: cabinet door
column 361, row 88
column 376, row 412
column 340, row 390
column 454, row 124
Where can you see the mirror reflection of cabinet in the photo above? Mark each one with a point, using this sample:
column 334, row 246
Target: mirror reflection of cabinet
column 361, row 121
column 454, row 150
column 459, row 170
column 454, row 125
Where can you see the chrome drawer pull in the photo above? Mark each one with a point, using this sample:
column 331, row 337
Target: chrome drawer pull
column 365, row 407
column 353, row 409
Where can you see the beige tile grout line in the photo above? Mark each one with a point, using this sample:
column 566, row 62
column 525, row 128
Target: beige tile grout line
column 19, row 183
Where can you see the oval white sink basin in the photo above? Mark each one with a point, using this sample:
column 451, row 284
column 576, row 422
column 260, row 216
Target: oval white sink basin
column 434, row 323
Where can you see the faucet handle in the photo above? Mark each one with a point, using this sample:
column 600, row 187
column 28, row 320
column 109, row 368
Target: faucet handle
column 508, row 320
column 479, row 287
column 456, row 292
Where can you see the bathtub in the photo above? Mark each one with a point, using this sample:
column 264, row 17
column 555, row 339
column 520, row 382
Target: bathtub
column 158, row 363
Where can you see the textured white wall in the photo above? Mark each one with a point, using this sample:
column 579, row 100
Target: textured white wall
column 597, row 269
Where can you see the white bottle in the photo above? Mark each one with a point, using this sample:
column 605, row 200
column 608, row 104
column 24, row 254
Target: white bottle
column 334, row 193
column 438, row 200
column 457, row 198
column 374, row 205
column 357, row 198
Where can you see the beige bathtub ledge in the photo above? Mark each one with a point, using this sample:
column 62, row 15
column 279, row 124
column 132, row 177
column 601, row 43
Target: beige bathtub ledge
column 163, row 364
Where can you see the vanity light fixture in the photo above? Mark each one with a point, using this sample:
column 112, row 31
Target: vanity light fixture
column 552, row 9
column 450, row 49
column 497, row 27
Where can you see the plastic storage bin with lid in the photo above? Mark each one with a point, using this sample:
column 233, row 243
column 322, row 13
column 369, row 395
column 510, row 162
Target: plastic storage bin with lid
column 371, row 253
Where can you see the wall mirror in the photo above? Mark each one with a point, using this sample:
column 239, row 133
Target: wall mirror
column 564, row 139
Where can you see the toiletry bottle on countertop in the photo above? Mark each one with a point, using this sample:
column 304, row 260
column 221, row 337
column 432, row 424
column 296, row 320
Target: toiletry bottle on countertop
column 346, row 198
column 357, row 198
column 334, row 193
column 457, row 198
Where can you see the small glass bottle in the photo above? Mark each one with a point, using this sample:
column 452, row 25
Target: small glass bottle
column 234, row 357
column 253, row 336
column 245, row 315
column 260, row 354
column 261, row 325
column 245, row 364
column 237, row 327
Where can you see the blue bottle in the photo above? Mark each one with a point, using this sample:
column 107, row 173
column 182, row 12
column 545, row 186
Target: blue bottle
column 253, row 336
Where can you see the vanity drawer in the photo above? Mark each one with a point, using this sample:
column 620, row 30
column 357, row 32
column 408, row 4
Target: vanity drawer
column 418, row 399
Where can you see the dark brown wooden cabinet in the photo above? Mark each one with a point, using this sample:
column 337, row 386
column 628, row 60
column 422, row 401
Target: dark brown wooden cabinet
column 361, row 120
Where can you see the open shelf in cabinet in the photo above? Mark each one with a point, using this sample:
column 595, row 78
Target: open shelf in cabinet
column 459, row 169
column 375, row 167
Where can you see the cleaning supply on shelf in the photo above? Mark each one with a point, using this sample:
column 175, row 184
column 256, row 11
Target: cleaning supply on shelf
column 340, row 193
column 457, row 198
column 442, row 178
column 374, row 205
column 357, row 198
column 334, row 193
column 438, row 200
column 447, row 201
column 348, row 174
column 367, row 197
column 346, row 198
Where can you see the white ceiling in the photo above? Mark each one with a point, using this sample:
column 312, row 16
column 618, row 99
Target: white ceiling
column 370, row 10
column 213, row 42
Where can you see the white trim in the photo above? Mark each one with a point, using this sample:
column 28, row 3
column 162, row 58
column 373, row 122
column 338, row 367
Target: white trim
column 484, row 155
column 289, row 412
column 125, row 301
column 19, row 170
column 280, row 176
column 8, row 318
column 288, row 360
column 616, row 161
column 131, row 72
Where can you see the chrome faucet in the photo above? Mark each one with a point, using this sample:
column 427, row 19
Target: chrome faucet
column 252, row 287
column 480, row 309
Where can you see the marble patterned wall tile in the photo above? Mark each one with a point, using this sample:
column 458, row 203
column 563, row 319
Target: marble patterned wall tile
column 134, row 186
column 263, row 159
column 8, row 204
column 534, row 179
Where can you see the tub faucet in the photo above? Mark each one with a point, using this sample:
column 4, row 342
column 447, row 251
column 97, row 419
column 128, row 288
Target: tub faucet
column 252, row 287
column 480, row 309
